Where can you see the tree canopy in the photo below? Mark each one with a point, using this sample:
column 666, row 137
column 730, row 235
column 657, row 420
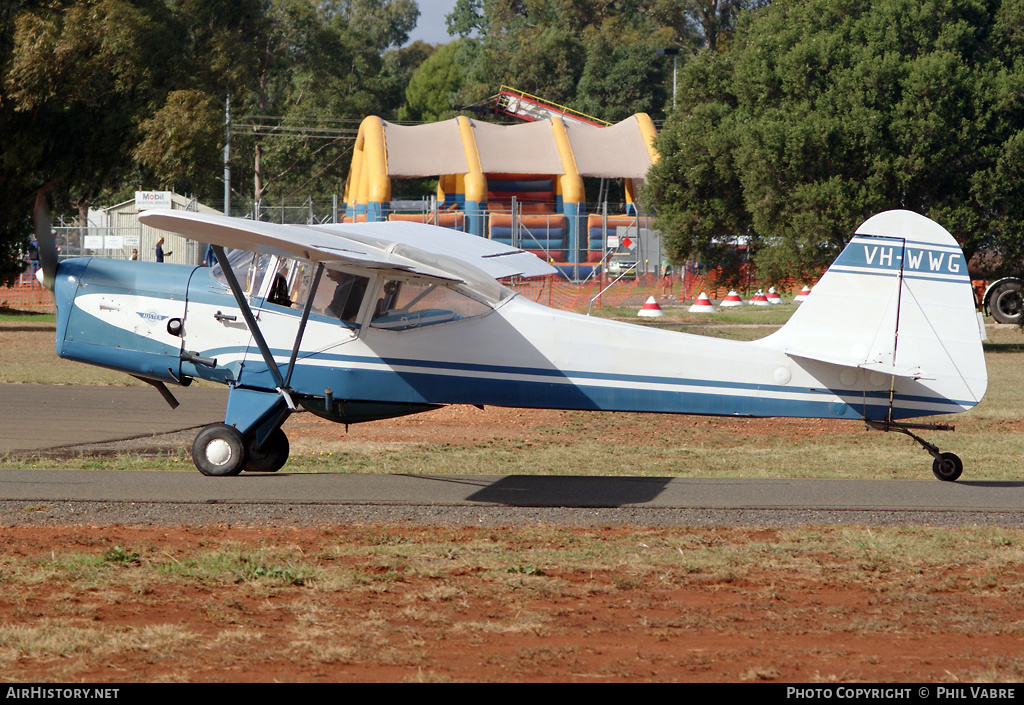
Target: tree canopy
column 99, row 98
column 428, row 95
column 594, row 56
column 824, row 112
column 795, row 120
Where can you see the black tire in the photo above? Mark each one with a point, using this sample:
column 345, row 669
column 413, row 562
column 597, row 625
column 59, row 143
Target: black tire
column 949, row 468
column 1006, row 302
column 219, row 451
column 271, row 457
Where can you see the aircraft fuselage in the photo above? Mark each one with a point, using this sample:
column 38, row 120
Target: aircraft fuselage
column 518, row 353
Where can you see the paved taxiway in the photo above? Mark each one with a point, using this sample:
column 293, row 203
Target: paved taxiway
column 46, row 417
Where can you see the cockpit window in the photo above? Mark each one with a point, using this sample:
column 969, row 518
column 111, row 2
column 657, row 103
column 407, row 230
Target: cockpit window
column 413, row 304
column 339, row 294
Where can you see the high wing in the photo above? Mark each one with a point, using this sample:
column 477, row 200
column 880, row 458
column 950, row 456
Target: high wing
column 410, row 248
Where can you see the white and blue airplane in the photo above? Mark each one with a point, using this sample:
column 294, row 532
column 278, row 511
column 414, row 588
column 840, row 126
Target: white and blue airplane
column 358, row 322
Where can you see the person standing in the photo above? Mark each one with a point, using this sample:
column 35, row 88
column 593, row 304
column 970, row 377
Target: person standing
column 667, row 282
column 33, row 257
column 160, row 250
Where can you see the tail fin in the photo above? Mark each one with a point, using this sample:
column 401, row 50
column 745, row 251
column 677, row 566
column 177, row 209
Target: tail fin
column 898, row 310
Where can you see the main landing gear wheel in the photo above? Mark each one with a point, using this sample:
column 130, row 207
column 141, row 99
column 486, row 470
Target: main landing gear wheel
column 219, row 450
column 947, row 467
column 271, row 457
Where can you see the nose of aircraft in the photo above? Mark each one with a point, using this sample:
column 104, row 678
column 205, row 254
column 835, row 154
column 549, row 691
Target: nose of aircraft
column 65, row 284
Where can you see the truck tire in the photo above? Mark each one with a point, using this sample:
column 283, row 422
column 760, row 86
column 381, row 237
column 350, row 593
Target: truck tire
column 1006, row 302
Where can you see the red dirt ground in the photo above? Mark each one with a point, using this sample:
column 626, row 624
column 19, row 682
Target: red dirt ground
column 457, row 622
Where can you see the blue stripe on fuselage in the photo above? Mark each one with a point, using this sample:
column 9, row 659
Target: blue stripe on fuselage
column 431, row 381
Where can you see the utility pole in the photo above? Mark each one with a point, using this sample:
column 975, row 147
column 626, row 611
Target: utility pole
column 674, row 53
column 227, row 155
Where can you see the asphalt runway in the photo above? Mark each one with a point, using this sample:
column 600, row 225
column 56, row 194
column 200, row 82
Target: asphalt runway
column 38, row 416
column 41, row 417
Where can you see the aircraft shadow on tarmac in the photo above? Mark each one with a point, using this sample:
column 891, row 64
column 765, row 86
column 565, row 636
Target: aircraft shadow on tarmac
column 991, row 483
column 532, row 491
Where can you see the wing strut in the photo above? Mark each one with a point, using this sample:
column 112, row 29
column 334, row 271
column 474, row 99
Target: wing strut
column 250, row 321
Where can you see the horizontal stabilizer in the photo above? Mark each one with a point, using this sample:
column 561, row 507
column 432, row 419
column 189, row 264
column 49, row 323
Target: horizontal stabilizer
column 915, row 373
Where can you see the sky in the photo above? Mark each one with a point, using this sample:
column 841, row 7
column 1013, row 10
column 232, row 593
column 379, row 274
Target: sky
column 430, row 27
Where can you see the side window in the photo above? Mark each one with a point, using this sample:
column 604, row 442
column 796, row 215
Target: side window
column 340, row 295
column 285, row 281
column 403, row 305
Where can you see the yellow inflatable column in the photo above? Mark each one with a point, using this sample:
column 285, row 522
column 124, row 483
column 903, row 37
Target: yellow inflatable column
column 649, row 132
column 374, row 185
column 475, row 182
column 574, row 198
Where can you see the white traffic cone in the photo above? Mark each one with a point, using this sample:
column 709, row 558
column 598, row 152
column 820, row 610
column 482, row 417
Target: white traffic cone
column 650, row 309
column 702, row 304
column 731, row 299
column 804, row 293
column 773, row 296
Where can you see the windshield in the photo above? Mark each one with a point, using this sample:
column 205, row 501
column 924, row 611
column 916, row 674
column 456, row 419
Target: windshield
column 249, row 269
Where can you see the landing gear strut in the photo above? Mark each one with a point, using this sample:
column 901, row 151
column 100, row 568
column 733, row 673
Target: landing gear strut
column 945, row 466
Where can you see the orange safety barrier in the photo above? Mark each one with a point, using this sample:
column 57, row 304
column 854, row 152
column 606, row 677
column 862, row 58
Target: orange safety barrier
column 444, row 219
column 27, row 293
column 556, row 292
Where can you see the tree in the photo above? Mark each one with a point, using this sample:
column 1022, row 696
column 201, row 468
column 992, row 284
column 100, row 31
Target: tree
column 300, row 73
column 98, row 97
column 181, row 142
column 75, row 78
column 623, row 74
column 428, row 96
column 827, row 111
column 317, row 65
column 591, row 55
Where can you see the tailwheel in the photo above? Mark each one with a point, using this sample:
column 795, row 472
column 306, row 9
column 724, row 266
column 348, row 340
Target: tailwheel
column 947, row 467
column 219, row 450
column 269, row 457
